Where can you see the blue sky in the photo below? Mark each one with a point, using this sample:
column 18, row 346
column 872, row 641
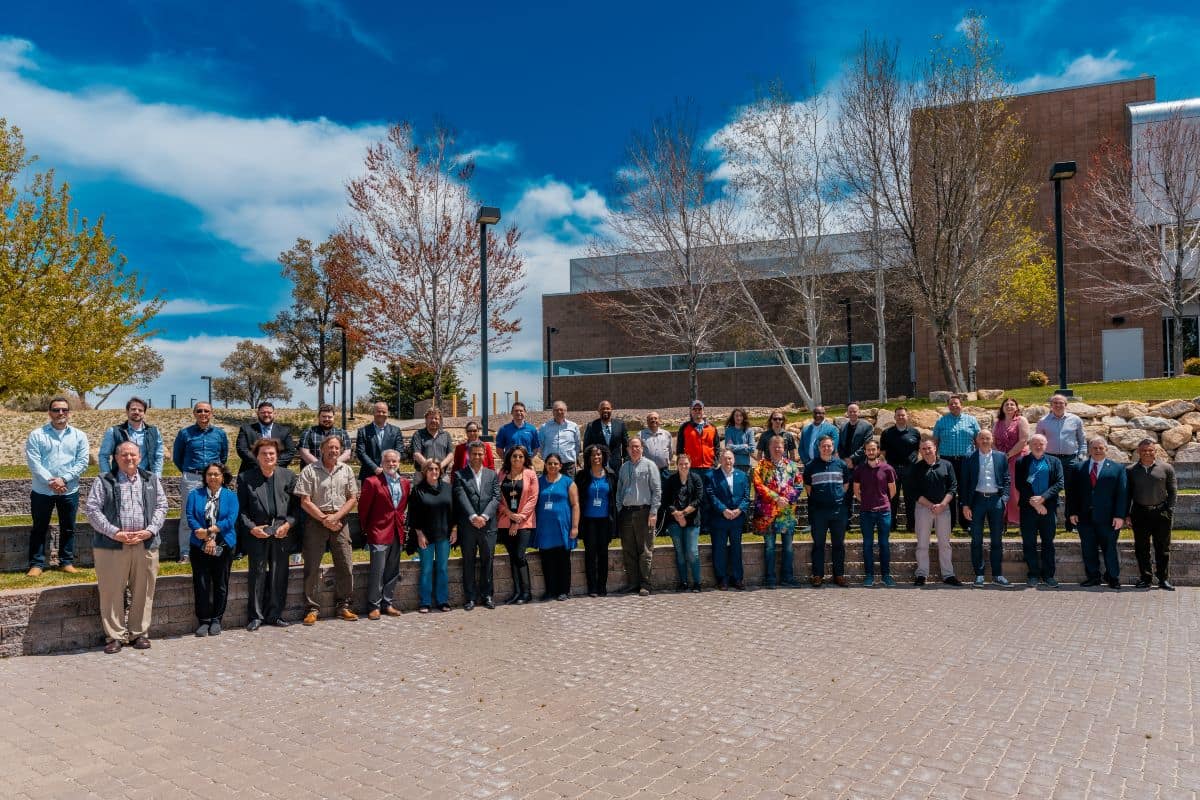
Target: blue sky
column 212, row 135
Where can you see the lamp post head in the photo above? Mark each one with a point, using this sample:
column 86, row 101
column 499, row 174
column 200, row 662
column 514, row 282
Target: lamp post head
column 206, row 377
column 1062, row 170
column 551, row 329
column 488, row 215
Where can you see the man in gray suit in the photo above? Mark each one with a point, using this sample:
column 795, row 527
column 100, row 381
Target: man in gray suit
column 371, row 440
column 476, row 501
column 267, row 510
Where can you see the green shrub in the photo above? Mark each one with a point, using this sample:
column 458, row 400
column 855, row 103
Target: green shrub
column 1191, row 366
column 1038, row 378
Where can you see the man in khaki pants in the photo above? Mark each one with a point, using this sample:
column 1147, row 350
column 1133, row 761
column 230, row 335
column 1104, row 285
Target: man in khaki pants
column 126, row 509
column 328, row 492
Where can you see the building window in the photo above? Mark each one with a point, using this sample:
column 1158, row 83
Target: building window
column 757, row 358
column 581, row 366
column 706, row 361
column 640, row 364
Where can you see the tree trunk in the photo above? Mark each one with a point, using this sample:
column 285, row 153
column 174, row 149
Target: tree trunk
column 972, row 361
column 321, row 369
column 781, row 351
column 881, row 333
column 941, row 335
column 959, row 383
column 1176, row 343
column 693, row 374
column 438, row 369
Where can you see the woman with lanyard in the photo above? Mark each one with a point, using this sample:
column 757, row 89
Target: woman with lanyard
column 517, row 518
column 596, row 487
column 212, row 512
column 557, row 527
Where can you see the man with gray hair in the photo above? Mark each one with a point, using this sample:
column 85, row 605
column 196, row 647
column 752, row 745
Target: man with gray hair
column 1038, row 481
column 561, row 436
column 1065, row 439
column 1097, row 501
column 639, row 494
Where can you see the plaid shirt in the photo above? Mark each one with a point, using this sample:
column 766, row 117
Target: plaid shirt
column 956, row 435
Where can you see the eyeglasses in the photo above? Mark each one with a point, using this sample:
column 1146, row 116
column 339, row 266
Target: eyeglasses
column 60, row 411
column 202, row 411
column 776, row 419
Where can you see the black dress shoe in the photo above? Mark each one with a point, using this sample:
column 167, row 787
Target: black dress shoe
column 488, row 603
column 952, row 580
column 1090, row 582
column 253, row 625
column 1163, row 583
column 920, row 580
column 1114, row 583
column 113, row 646
column 281, row 623
column 1142, row 583
column 515, row 600
column 469, row 605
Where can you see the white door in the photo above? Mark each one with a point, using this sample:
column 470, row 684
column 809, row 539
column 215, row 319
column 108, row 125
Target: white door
column 1124, row 358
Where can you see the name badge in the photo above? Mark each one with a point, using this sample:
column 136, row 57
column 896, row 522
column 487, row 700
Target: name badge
column 596, row 502
column 549, row 506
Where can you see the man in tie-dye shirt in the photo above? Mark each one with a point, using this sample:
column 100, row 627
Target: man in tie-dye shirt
column 778, row 486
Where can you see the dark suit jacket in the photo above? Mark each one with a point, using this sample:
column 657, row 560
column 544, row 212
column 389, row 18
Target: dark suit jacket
column 1105, row 502
column 468, row 502
column 851, row 441
column 254, row 504
column 594, row 434
column 369, row 451
column 250, row 433
column 970, row 477
column 720, row 498
column 1054, row 488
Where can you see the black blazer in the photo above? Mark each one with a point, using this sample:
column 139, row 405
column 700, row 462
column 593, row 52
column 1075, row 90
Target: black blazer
column 251, row 432
column 1054, row 488
column 970, row 477
column 254, row 506
column 678, row 496
column 468, row 501
column 594, row 434
column 851, row 441
column 369, row 451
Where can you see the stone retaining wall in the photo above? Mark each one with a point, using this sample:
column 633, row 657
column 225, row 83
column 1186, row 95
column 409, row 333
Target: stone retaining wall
column 14, row 494
column 64, row 618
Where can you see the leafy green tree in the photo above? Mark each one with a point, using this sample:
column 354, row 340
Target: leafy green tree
column 416, row 383
column 73, row 315
column 252, row 374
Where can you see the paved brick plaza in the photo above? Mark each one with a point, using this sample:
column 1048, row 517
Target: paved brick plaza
column 791, row 693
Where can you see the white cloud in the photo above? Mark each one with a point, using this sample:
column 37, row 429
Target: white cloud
column 1085, row 69
column 186, row 307
column 260, row 183
column 489, row 155
column 323, row 11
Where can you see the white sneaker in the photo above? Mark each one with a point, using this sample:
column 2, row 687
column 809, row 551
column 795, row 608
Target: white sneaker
column 295, row 560
column 1000, row 580
column 979, row 580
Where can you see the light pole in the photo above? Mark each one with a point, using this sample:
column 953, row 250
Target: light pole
column 549, row 399
column 488, row 215
column 342, row 327
column 1063, row 170
column 209, row 379
column 507, row 402
column 849, row 353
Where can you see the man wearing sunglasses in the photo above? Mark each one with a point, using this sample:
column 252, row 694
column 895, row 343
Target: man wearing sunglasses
column 196, row 446
column 57, row 454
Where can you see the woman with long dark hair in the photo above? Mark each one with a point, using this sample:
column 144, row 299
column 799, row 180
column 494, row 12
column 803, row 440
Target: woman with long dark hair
column 518, row 517
column 212, row 512
column 596, row 489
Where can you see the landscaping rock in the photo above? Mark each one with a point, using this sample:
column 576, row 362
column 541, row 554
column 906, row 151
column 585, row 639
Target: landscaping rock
column 1113, row 421
column 1095, row 430
column 1128, row 438
column 1175, row 438
column 1161, row 454
column 1172, row 408
column 1034, row 413
column 884, row 419
column 1188, row 454
column 1118, row 455
column 1130, row 409
column 924, row 418
column 1153, row 423
column 1085, row 411
column 1191, row 418
column 990, row 394
column 940, row 397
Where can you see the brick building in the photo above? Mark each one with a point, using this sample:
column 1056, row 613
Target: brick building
column 593, row 357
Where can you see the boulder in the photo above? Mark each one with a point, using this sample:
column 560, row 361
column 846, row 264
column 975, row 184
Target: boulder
column 1171, row 409
column 884, row 419
column 1161, row 454
column 1130, row 409
column 1191, row 418
column 940, row 397
column 1118, row 455
column 1095, row 430
column 1128, row 438
column 1113, row 421
column 1189, row 453
column 1153, row 423
column 985, row 418
column 990, row 394
column 1034, row 413
column 1085, row 411
column 1174, row 438
column 924, row 418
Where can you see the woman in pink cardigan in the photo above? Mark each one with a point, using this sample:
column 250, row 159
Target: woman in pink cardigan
column 518, row 500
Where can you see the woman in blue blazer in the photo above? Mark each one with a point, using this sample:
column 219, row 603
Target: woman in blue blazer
column 211, row 511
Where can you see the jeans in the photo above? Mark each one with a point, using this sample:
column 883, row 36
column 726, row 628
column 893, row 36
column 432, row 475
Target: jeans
column 727, row 550
column 831, row 520
column 187, row 482
column 40, row 506
column 687, row 550
column 434, row 556
column 1034, row 525
column 873, row 521
column 993, row 512
column 786, row 531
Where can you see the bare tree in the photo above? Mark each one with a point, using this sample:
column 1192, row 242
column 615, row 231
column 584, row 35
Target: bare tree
column 780, row 153
column 682, row 243
column 944, row 161
column 414, row 234
column 1140, row 211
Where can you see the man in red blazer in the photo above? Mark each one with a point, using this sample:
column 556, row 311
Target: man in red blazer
column 381, row 510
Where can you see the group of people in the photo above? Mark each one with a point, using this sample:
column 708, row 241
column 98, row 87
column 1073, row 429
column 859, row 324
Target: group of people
column 597, row 484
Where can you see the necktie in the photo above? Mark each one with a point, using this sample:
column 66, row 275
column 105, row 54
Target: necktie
column 607, row 432
column 1095, row 473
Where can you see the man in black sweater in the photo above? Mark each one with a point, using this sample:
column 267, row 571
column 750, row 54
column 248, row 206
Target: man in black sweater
column 899, row 445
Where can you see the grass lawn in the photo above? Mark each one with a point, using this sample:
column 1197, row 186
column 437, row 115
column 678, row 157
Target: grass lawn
column 18, row 580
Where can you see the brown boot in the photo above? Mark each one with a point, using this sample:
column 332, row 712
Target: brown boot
column 311, row 617
column 347, row 614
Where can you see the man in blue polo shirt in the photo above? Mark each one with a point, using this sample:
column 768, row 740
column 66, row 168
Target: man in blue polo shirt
column 196, row 446
column 518, row 432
